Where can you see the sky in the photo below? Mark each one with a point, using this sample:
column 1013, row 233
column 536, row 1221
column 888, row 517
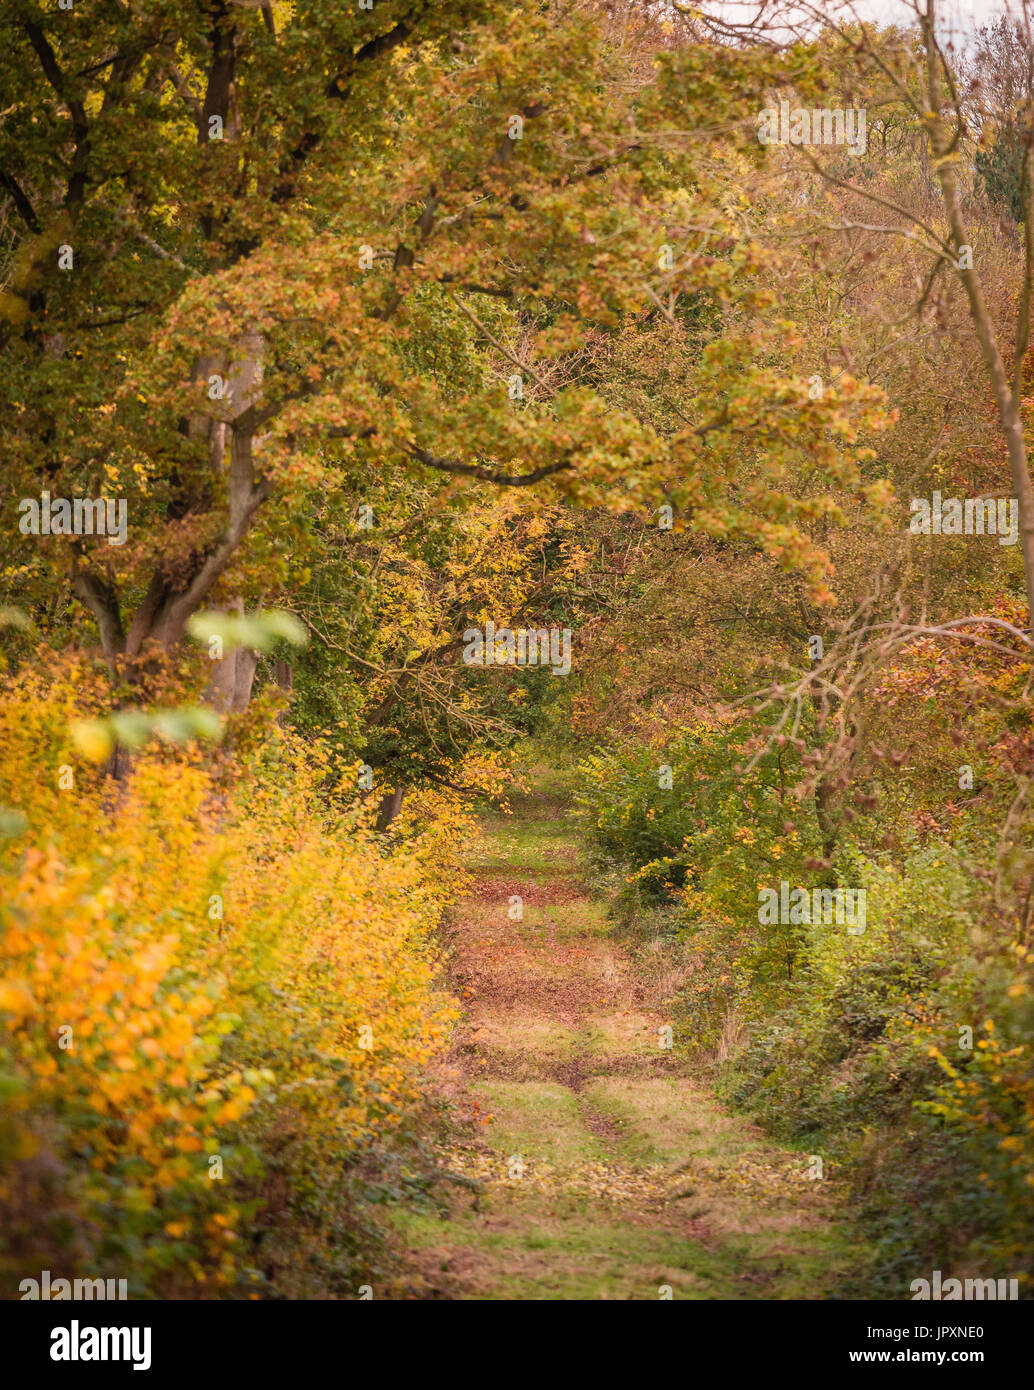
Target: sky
column 959, row 17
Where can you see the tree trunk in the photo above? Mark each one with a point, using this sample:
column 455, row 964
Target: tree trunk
column 390, row 806
column 170, row 602
column 229, row 690
column 1007, row 401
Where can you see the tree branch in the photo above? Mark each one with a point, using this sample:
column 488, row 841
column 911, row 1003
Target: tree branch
column 487, row 475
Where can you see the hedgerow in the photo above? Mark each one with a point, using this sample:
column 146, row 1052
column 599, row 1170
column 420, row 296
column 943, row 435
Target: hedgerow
column 218, row 995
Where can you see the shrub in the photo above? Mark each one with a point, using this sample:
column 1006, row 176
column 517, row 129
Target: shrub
column 869, row 1063
column 217, row 999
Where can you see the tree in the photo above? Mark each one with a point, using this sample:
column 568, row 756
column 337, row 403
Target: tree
column 920, row 74
column 239, row 230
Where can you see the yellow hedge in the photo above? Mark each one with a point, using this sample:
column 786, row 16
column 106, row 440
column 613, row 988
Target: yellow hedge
column 213, row 992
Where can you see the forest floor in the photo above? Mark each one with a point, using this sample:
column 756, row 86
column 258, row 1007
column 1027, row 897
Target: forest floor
column 607, row 1169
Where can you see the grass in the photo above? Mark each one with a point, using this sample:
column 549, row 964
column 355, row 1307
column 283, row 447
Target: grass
column 539, row 1119
column 634, row 1179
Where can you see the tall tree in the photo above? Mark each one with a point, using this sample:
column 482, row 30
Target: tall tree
column 248, row 237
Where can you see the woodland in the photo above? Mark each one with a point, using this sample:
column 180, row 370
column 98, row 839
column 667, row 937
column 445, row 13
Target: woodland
column 516, row 710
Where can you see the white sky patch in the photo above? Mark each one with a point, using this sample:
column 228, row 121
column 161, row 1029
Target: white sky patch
column 956, row 19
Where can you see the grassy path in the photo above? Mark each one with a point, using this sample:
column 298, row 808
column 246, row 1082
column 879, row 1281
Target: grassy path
column 607, row 1168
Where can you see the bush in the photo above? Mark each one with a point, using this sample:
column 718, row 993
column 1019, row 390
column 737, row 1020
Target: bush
column 217, row 1000
column 905, row 1056
column 706, row 846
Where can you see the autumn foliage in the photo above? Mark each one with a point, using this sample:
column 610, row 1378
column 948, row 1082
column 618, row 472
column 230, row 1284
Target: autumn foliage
column 214, row 999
